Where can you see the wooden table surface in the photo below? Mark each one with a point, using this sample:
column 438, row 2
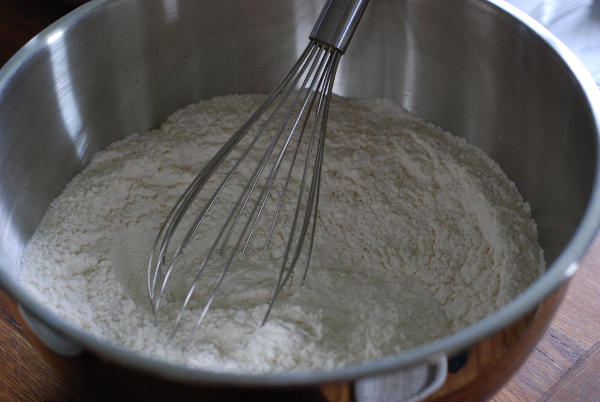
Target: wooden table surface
column 565, row 366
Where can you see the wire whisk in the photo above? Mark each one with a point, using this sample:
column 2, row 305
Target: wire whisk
column 265, row 179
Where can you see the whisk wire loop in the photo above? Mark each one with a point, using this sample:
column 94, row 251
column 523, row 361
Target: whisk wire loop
column 311, row 81
column 312, row 89
column 156, row 264
column 275, row 169
column 298, row 140
column 321, row 97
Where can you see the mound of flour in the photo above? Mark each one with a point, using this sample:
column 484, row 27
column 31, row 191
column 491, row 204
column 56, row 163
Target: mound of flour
column 419, row 236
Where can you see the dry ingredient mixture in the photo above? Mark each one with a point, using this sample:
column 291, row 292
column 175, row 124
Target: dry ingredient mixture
column 424, row 233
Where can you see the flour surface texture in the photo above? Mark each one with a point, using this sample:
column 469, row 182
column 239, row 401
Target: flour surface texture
column 419, row 236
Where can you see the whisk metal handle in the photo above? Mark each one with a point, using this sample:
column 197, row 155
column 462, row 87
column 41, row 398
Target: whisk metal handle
column 338, row 22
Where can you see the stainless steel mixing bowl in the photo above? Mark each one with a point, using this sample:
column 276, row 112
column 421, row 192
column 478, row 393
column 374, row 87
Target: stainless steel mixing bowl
column 479, row 69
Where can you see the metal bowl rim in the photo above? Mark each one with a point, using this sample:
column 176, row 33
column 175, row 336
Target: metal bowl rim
column 562, row 268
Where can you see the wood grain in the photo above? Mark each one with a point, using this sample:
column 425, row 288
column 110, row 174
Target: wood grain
column 25, row 376
column 580, row 383
column 566, row 359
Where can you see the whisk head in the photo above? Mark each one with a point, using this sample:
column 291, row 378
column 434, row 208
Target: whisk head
column 260, row 191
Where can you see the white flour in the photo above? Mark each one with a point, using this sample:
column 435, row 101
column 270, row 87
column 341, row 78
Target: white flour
column 424, row 235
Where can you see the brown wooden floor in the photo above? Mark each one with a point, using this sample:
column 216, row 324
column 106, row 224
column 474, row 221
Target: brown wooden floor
column 564, row 367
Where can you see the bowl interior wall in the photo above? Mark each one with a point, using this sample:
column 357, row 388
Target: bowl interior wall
column 124, row 67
